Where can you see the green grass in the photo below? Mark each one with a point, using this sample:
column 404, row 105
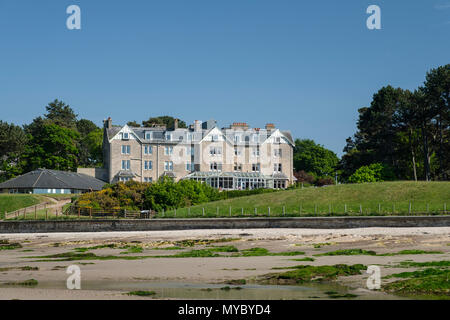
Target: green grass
column 347, row 252
column 6, row 245
column 304, row 259
column 409, row 264
column 305, row 273
column 259, row 252
column 12, row 202
column 141, row 293
column 28, row 283
column 317, row 201
column 358, row 252
column 431, row 281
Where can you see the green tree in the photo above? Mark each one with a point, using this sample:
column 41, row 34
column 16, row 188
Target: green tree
column 133, row 124
column 163, row 120
column 12, row 145
column 53, row 147
column 61, row 114
column 314, row 158
column 374, row 173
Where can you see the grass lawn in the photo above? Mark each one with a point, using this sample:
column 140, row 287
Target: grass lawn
column 384, row 198
column 11, row 202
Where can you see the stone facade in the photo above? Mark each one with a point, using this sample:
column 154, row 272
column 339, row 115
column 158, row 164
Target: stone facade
column 250, row 157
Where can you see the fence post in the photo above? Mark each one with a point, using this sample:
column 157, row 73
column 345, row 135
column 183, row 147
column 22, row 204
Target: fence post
column 203, row 211
column 329, row 208
column 217, row 211
column 393, row 208
column 445, row 208
column 90, row 213
column 189, row 211
column 379, row 208
column 409, row 209
column 256, row 211
column 46, row 214
column 345, row 208
column 315, row 209
column 163, row 212
column 427, row 207
column 268, row 212
column 360, row 208
column 230, row 211
column 300, row 211
column 35, row 212
column 284, row 210
column 242, row 211
column 175, row 212
column 78, row 213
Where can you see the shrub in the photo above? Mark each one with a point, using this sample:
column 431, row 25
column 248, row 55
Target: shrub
column 372, row 173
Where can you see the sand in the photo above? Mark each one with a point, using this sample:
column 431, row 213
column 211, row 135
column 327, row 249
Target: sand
column 108, row 279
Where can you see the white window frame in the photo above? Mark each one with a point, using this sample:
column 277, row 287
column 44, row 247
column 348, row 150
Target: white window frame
column 168, row 165
column 168, row 150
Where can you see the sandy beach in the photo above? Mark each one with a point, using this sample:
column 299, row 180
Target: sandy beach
column 113, row 278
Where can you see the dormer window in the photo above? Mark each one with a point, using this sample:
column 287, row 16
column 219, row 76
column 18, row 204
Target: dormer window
column 125, row 136
column 215, row 137
column 168, row 137
column 148, row 135
column 237, row 139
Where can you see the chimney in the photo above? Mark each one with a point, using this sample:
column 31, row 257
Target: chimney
column 107, row 124
column 197, row 125
column 175, row 124
column 270, row 126
column 239, row 125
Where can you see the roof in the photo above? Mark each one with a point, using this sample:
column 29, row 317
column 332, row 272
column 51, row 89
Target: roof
column 53, row 179
column 213, row 174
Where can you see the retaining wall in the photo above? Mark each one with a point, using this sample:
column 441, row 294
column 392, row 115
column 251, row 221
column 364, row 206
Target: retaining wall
column 40, row 226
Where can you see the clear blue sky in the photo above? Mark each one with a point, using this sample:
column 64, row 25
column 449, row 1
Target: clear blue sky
column 307, row 66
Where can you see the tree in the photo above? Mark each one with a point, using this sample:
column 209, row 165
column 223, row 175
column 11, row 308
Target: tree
column 12, row 145
column 53, row 147
column 373, row 173
column 314, row 158
column 133, row 124
column 163, row 120
column 85, row 126
column 61, row 114
column 437, row 91
column 90, row 149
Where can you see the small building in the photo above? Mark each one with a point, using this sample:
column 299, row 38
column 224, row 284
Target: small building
column 45, row 181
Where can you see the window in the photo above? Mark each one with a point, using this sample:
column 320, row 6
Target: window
column 148, row 179
column 168, row 136
column 126, row 149
column 256, row 152
column 237, row 139
column 256, row 167
column 214, row 166
column 125, row 164
column 189, row 151
column 148, row 135
column 237, row 152
column 148, row 149
column 168, row 165
column 277, row 167
column 125, row 136
column 255, row 138
column 277, row 153
column 148, row 165
column 237, row 167
column 168, row 150
column 124, row 179
column 215, row 150
column 214, row 137
column 189, row 166
column 277, row 140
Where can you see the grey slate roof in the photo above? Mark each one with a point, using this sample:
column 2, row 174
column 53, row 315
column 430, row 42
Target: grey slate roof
column 53, row 179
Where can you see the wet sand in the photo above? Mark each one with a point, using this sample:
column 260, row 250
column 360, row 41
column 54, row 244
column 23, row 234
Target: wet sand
column 212, row 270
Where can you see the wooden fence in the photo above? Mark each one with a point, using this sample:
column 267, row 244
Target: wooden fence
column 28, row 210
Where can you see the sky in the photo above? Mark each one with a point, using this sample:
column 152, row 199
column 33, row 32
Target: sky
column 307, row 66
